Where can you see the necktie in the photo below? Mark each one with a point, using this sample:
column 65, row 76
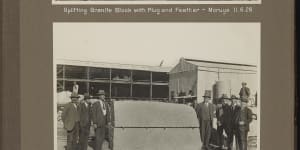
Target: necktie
column 103, row 106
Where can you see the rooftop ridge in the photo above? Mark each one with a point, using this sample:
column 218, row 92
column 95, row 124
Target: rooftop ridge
column 218, row 62
column 114, row 64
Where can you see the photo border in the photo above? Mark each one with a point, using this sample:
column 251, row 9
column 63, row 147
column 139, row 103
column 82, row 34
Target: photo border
column 259, row 74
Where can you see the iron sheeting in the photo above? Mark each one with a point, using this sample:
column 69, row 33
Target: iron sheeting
column 153, row 114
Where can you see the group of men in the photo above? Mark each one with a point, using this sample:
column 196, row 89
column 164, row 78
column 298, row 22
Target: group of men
column 79, row 116
column 233, row 120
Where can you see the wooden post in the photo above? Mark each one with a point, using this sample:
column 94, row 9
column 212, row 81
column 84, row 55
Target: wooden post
column 151, row 90
column 110, row 80
column 131, row 83
column 88, row 80
column 218, row 74
column 64, row 76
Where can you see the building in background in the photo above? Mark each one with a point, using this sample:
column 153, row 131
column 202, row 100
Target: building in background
column 196, row 76
column 186, row 81
column 120, row 81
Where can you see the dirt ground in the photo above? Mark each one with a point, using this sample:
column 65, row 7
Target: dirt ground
column 62, row 140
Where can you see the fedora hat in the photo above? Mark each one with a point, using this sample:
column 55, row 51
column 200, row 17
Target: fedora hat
column 207, row 93
column 74, row 95
column 101, row 92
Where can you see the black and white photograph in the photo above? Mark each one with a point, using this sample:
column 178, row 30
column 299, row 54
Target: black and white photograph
column 156, row 86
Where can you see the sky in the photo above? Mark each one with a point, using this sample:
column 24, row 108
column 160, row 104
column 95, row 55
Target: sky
column 150, row 43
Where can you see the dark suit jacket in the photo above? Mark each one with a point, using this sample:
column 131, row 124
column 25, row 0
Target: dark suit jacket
column 246, row 117
column 97, row 114
column 85, row 114
column 201, row 113
column 244, row 92
column 230, row 115
column 70, row 116
column 220, row 114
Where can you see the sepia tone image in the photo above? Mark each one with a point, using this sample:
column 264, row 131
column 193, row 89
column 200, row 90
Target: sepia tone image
column 156, row 86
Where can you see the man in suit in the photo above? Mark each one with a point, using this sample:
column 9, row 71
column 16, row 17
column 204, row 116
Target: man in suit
column 70, row 118
column 243, row 120
column 109, row 129
column 205, row 113
column 245, row 91
column 221, row 120
column 100, row 119
column 231, row 114
column 85, row 122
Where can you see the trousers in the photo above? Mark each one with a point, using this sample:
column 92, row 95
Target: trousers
column 231, row 135
column 220, row 137
column 242, row 139
column 205, row 131
column 83, row 137
column 72, row 137
column 100, row 136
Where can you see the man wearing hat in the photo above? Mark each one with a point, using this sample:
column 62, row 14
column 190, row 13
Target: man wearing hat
column 243, row 120
column 221, row 120
column 70, row 118
column 245, row 91
column 85, row 121
column 231, row 114
column 205, row 113
column 100, row 119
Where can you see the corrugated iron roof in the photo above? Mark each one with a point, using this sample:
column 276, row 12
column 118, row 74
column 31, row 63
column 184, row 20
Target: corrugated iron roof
column 112, row 65
column 217, row 62
column 221, row 65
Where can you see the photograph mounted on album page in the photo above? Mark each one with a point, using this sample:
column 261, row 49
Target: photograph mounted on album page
column 169, row 86
column 148, row 75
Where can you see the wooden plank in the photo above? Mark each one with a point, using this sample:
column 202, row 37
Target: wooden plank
column 110, row 76
column 151, row 86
